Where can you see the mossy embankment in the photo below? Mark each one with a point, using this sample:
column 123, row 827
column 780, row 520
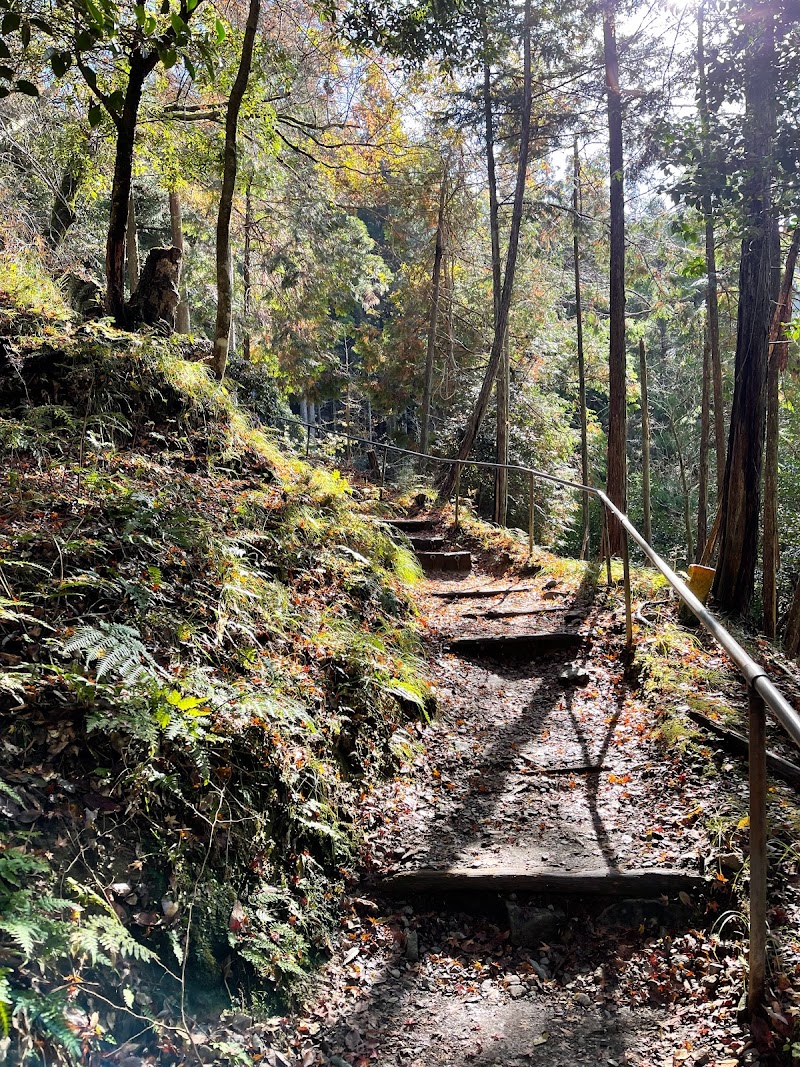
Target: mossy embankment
column 207, row 652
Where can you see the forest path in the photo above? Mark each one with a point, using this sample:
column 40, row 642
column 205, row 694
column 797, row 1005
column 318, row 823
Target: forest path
column 494, row 979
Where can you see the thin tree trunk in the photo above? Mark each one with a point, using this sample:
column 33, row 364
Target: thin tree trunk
column 617, row 472
column 778, row 358
column 646, row 509
column 576, row 190
column 735, row 575
column 176, row 225
column 62, row 215
column 501, row 474
column 687, row 503
column 502, row 383
column 482, row 401
column 222, row 328
column 712, row 302
column 436, row 286
column 140, row 67
column 132, row 245
column 705, row 435
column 247, row 286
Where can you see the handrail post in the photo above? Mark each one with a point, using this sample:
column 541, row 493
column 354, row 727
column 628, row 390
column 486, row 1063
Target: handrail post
column 458, row 490
column 383, row 465
column 757, row 759
column 530, row 514
column 626, row 576
column 605, row 553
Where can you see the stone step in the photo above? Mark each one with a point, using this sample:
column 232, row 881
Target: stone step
column 427, row 544
column 410, row 526
column 458, row 562
column 514, row 647
column 597, row 882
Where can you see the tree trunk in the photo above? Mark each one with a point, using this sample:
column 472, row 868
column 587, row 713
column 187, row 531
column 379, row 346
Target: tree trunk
column 247, row 285
column 504, row 305
column 617, row 472
column 501, row 454
column 705, row 435
column 176, row 225
column 712, row 302
column 778, row 358
column 140, row 68
column 687, row 502
column 436, row 287
column 576, row 191
column 62, row 215
column 646, row 509
column 222, row 329
column 735, row 575
column 132, row 245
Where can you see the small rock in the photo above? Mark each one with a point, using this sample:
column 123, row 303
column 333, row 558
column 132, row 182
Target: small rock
column 539, row 971
column 337, row 1061
column 531, row 926
column 412, row 946
column 516, row 991
column 731, row 861
column 574, row 675
column 583, row 999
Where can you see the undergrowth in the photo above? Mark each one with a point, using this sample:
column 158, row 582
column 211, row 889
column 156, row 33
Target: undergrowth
column 206, row 653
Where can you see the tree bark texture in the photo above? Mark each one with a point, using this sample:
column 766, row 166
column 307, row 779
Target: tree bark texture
column 705, row 439
column 643, row 400
column 778, row 359
column 62, row 215
column 504, row 305
column 576, row 251
column 222, row 329
column 141, row 66
column 176, row 226
column 735, row 575
column 247, row 283
column 155, row 300
column 132, row 245
column 503, row 389
column 712, row 287
column 436, row 288
column 617, row 468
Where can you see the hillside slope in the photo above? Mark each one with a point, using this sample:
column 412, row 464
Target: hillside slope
column 206, row 654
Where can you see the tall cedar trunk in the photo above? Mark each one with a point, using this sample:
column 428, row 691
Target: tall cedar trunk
column 687, row 503
column 503, row 388
column 504, row 304
column 646, row 509
column 62, row 215
column 436, row 288
column 712, row 302
column 132, row 245
column 247, row 284
column 141, row 66
column 502, row 384
column 617, row 473
column 705, row 435
column 222, row 329
column 176, row 226
column 449, row 376
column 778, row 358
column 576, row 195
column 735, row 575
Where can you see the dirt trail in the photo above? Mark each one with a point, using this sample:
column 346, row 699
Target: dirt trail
column 438, row 983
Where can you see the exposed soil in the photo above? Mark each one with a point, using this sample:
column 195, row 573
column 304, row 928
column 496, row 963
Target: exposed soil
column 438, row 982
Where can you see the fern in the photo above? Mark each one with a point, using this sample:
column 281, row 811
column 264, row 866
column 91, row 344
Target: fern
column 7, row 791
column 103, row 939
column 118, row 650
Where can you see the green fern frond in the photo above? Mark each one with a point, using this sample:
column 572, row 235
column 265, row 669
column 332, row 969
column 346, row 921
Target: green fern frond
column 118, row 650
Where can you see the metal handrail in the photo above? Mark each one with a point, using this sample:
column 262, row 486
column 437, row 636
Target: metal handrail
column 762, row 693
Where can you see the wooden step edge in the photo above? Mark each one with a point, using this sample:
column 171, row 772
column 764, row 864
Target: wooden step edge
column 515, row 644
column 596, row 882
